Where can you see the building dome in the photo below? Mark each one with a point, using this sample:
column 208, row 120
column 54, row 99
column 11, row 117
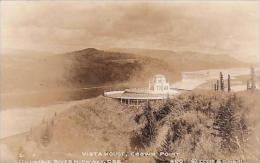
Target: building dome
column 159, row 84
column 159, row 76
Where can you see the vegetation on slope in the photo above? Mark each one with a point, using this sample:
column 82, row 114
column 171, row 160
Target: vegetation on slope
column 202, row 126
column 205, row 125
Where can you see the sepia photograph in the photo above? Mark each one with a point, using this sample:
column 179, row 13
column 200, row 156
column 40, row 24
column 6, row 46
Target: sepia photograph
column 95, row 81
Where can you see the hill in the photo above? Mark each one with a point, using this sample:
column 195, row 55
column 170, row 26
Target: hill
column 92, row 66
column 202, row 125
column 33, row 79
column 187, row 60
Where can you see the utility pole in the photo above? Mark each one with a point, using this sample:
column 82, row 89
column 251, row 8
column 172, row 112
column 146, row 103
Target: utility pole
column 217, row 85
column 247, row 85
column 229, row 84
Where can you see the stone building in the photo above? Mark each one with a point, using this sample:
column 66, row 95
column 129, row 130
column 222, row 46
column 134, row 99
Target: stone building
column 159, row 84
column 158, row 89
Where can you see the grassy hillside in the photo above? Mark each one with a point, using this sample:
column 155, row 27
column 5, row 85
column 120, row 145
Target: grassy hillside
column 205, row 125
column 202, row 125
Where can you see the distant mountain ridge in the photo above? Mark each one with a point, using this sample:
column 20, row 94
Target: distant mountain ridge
column 90, row 67
column 191, row 55
column 23, row 75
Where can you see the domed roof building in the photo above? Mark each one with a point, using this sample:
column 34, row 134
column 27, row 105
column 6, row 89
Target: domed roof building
column 159, row 84
column 158, row 89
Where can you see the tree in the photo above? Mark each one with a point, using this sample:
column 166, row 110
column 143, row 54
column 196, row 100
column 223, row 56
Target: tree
column 226, row 125
column 253, row 78
column 221, row 82
column 166, row 147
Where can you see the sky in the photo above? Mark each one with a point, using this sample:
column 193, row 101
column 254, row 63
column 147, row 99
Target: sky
column 212, row 27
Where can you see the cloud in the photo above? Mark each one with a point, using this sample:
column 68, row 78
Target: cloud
column 215, row 27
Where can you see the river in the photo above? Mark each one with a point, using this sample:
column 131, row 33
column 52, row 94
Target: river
column 20, row 119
